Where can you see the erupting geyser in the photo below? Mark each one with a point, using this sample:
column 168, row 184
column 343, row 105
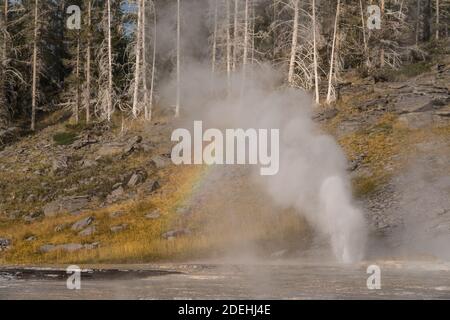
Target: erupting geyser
column 312, row 168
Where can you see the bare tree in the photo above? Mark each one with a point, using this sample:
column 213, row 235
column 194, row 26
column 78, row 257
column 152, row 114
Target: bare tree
column 294, row 44
column 235, row 33
column 110, row 63
column 316, row 73
column 34, row 65
column 4, row 112
column 149, row 104
column 87, row 93
column 137, row 65
column 177, row 105
column 437, row 20
column 246, row 43
column 228, row 31
column 329, row 93
column 214, row 46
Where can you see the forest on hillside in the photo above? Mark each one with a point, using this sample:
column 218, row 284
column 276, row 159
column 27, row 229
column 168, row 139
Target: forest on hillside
column 115, row 62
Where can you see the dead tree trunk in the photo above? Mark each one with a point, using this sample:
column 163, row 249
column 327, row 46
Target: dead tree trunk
column 214, row 47
column 235, row 34
column 88, row 66
column 4, row 111
column 152, row 82
column 110, row 78
column 332, row 53
column 437, row 19
column 137, row 66
column 228, row 46
column 316, row 73
column 294, row 44
column 177, row 106
column 34, row 66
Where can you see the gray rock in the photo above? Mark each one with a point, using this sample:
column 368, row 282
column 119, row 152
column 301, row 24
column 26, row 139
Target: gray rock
column 136, row 178
column 61, row 227
column 32, row 217
column 118, row 228
column 153, row 215
column 116, row 214
column 416, row 120
column 5, row 244
column 89, row 231
column 47, row 248
column 111, row 149
column 172, row 234
column 70, row 247
column 88, row 163
column 90, row 246
column 160, row 161
column 71, row 205
column 115, row 195
column 84, row 141
column 83, row 223
column 60, row 163
column 152, row 185
column 31, row 238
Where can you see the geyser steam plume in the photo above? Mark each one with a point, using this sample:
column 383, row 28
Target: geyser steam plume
column 312, row 177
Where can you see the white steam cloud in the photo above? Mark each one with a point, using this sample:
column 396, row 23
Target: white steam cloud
column 312, row 177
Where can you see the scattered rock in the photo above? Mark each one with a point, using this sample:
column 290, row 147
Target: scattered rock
column 89, row 231
column 83, row 223
column 90, row 246
column 111, row 149
column 136, row 178
column 60, row 163
column 32, row 217
column 5, row 244
column 131, row 145
column 172, row 234
column 115, row 195
column 61, row 227
column 30, row 238
column 416, row 120
column 116, row 214
column 118, row 228
column 156, row 214
column 160, row 161
column 84, row 141
column 71, row 205
column 152, row 185
column 88, row 163
column 47, row 248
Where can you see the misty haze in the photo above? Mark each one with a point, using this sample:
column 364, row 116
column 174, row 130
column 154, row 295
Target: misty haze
column 224, row 149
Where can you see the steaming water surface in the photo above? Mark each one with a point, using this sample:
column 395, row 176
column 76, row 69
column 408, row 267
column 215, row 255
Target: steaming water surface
column 256, row 281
